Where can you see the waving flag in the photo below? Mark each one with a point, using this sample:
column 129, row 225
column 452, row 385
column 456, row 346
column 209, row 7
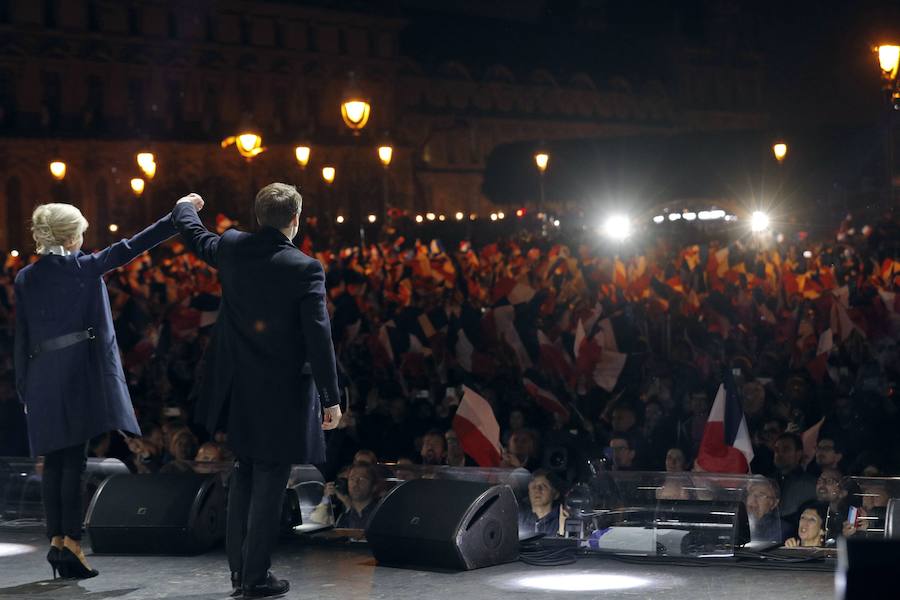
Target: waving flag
column 546, row 399
column 726, row 445
column 477, row 429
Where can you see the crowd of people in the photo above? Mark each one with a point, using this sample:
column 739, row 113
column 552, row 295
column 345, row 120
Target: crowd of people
column 583, row 350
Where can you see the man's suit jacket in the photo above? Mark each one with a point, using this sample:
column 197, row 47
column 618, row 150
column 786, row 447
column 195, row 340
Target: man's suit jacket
column 271, row 347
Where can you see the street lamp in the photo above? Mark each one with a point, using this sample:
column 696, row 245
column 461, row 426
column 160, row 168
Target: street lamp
column 385, row 154
column 328, row 174
column 302, row 155
column 58, row 169
column 137, row 186
column 248, row 144
column 889, row 62
column 779, row 149
column 147, row 163
column 355, row 108
column 542, row 160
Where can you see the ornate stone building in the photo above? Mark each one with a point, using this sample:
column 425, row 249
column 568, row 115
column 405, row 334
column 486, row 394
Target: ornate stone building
column 93, row 82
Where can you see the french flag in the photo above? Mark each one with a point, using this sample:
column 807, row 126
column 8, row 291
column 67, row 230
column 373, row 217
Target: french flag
column 726, row 445
column 546, row 399
column 477, row 429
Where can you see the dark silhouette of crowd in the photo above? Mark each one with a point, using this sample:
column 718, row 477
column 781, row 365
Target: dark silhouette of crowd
column 630, row 342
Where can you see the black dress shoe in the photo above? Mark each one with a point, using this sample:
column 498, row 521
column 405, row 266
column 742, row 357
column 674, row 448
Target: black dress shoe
column 269, row 587
column 236, row 588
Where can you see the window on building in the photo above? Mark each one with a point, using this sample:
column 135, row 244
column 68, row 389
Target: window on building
column 51, row 14
column 134, row 20
column 51, row 100
column 93, row 16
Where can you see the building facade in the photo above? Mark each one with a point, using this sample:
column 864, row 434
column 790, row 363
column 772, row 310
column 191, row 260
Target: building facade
column 93, row 82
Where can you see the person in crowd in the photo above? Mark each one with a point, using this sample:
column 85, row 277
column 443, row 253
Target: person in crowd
column 365, row 456
column 797, row 486
column 762, row 510
column 810, row 527
column 362, row 482
column 434, row 448
column 829, row 454
column 455, row 455
column 623, row 453
column 68, row 372
column 523, row 450
column 271, row 370
column 541, row 515
column 675, row 460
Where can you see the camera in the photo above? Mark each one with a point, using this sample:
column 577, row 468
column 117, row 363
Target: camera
column 342, row 486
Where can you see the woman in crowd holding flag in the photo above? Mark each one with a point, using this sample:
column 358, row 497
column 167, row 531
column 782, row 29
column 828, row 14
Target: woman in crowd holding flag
column 68, row 371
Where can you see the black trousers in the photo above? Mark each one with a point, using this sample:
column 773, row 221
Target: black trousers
column 255, row 496
column 61, row 490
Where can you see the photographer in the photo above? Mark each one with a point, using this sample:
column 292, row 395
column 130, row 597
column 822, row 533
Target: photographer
column 355, row 488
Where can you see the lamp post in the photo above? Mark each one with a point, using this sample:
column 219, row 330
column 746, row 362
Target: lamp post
column 542, row 160
column 301, row 153
column 780, row 150
column 249, row 145
column 355, row 107
column 146, row 161
column 889, row 62
column 137, row 186
column 58, row 170
column 385, row 155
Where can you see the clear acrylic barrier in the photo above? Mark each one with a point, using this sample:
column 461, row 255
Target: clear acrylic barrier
column 517, row 479
column 20, row 486
column 877, row 504
column 672, row 514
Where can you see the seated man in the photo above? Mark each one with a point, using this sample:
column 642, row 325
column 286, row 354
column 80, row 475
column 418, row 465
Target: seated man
column 762, row 510
column 541, row 515
column 362, row 481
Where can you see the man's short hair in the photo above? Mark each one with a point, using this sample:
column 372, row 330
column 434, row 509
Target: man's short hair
column 795, row 439
column 276, row 204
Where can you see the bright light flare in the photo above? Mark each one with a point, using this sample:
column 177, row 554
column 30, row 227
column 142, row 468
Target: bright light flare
column 372, row 218
column 419, row 218
column 888, row 60
column 807, row 254
column 617, row 227
column 542, row 159
column 113, row 228
column 501, row 215
column 493, row 216
column 340, row 219
column 581, row 582
column 659, row 219
column 759, row 221
column 147, row 163
column 689, row 216
column 14, row 254
column 556, row 222
column 711, row 215
column 58, row 169
column 430, row 216
column 674, row 216
column 460, row 216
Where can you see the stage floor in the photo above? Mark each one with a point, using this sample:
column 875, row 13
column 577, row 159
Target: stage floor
column 350, row 572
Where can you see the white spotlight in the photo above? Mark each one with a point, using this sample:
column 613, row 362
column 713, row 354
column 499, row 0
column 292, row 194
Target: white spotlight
column 581, row 582
column 556, row 222
column 674, row 216
column 618, row 227
column 689, row 216
column 658, row 219
column 807, row 254
column 759, row 221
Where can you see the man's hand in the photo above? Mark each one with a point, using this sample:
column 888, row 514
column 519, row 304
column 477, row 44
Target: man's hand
column 194, row 199
column 332, row 417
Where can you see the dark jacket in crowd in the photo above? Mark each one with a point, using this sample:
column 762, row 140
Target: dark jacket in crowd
column 78, row 392
column 271, row 347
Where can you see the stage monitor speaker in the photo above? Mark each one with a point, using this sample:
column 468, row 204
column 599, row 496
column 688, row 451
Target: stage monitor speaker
column 162, row 513
column 867, row 568
column 445, row 524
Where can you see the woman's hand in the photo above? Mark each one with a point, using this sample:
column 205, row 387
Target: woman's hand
column 792, row 543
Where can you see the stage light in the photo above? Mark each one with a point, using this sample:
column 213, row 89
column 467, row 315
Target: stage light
column 581, row 582
column 807, row 254
column 759, row 221
column 520, row 213
column 419, row 218
column 659, row 219
column 674, row 216
column 442, row 218
column 501, row 215
column 493, row 216
column 14, row 253
column 430, row 216
column 460, row 216
column 473, row 216
column 731, row 218
column 113, row 228
column 556, row 222
column 711, row 215
column 689, row 216
column 617, row 227
column 372, row 218
column 340, row 219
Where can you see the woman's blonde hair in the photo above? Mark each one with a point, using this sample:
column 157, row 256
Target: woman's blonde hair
column 56, row 225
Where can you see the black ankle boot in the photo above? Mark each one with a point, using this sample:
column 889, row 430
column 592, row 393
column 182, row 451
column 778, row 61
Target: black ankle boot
column 236, row 588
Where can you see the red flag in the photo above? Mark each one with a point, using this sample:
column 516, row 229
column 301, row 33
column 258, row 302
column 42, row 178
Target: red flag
column 726, row 445
column 546, row 399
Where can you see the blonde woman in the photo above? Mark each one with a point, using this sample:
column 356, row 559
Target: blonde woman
column 68, row 372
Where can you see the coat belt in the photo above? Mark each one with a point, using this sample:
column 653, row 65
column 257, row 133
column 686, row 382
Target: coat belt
column 63, row 341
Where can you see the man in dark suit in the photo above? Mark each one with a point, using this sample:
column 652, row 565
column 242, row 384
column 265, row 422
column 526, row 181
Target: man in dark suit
column 271, row 351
